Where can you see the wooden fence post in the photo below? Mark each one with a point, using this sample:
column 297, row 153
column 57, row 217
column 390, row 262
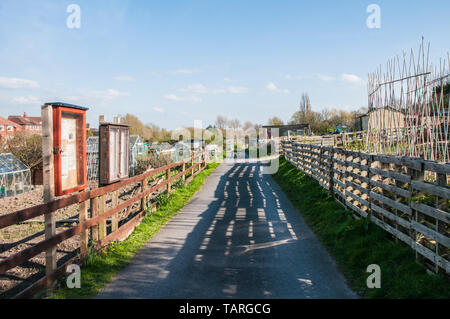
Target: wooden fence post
column 94, row 213
column 168, row 184
column 49, row 187
column 84, row 236
column 331, row 173
column 115, row 217
column 416, row 176
column 205, row 160
column 369, row 184
column 184, row 168
column 144, row 199
column 320, row 161
column 102, row 224
column 441, row 203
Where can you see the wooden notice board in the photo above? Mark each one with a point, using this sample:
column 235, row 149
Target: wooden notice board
column 69, row 142
column 114, row 152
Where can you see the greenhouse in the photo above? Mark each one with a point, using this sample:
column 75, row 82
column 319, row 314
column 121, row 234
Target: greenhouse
column 92, row 158
column 15, row 176
column 137, row 149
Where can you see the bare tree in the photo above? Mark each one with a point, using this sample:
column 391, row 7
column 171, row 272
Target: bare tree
column 234, row 124
column 221, row 122
column 305, row 115
column 305, row 105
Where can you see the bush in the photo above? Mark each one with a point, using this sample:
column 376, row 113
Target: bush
column 151, row 160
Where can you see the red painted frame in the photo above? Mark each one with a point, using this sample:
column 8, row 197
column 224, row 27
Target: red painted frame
column 81, row 133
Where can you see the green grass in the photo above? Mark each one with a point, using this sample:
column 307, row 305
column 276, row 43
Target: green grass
column 101, row 268
column 355, row 244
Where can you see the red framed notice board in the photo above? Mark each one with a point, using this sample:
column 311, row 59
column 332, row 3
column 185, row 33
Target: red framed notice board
column 69, row 144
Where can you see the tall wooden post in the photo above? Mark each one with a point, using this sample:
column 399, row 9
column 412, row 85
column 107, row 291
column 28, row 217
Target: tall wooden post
column 144, row 199
column 102, row 225
column 115, row 217
column 168, row 184
column 94, row 213
column 184, row 168
column 84, row 236
column 192, row 163
column 49, row 186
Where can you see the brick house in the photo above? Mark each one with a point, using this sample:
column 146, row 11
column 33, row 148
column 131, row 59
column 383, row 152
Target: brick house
column 8, row 129
column 30, row 124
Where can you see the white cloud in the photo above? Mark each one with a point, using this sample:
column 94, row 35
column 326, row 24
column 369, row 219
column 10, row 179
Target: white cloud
column 344, row 77
column 184, row 71
column 91, row 97
column 237, row 89
column 294, row 77
column 227, row 79
column 124, row 78
column 158, row 109
column 325, row 78
column 108, row 94
column 199, row 88
column 26, row 100
column 16, row 83
column 351, row 78
column 173, row 97
column 272, row 87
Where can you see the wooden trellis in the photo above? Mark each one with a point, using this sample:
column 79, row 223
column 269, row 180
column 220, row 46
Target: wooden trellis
column 408, row 107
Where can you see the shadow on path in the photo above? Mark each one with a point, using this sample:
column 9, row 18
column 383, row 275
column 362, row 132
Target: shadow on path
column 239, row 237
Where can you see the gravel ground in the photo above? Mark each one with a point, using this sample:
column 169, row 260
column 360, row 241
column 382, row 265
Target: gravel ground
column 16, row 238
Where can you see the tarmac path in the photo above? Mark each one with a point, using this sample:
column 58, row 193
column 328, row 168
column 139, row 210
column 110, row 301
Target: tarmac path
column 238, row 237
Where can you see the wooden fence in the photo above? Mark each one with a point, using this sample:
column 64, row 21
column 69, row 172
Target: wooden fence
column 407, row 197
column 338, row 140
column 98, row 223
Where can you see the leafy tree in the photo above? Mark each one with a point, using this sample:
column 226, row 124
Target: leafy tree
column 137, row 127
column 27, row 148
column 275, row 121
column 326, row 120
column 248, row 125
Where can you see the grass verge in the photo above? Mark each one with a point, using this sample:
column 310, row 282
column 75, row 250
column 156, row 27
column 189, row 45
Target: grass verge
column 355, row 244
column 101, row 268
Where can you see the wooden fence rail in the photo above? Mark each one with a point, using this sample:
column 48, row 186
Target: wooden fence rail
column 407, row 197
column 337, row 140
column 94, row 216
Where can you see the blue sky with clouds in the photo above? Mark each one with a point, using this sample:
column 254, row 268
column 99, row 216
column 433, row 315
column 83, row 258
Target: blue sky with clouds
column 173, row 62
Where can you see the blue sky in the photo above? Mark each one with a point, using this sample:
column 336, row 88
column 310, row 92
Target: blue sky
column 173, row 62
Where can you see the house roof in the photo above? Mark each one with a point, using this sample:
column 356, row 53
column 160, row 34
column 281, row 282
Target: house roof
column 387, row 107
column 288, row 127
column 21, row 120
column 36, row 119
column 62, row 104
column 4, row 121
